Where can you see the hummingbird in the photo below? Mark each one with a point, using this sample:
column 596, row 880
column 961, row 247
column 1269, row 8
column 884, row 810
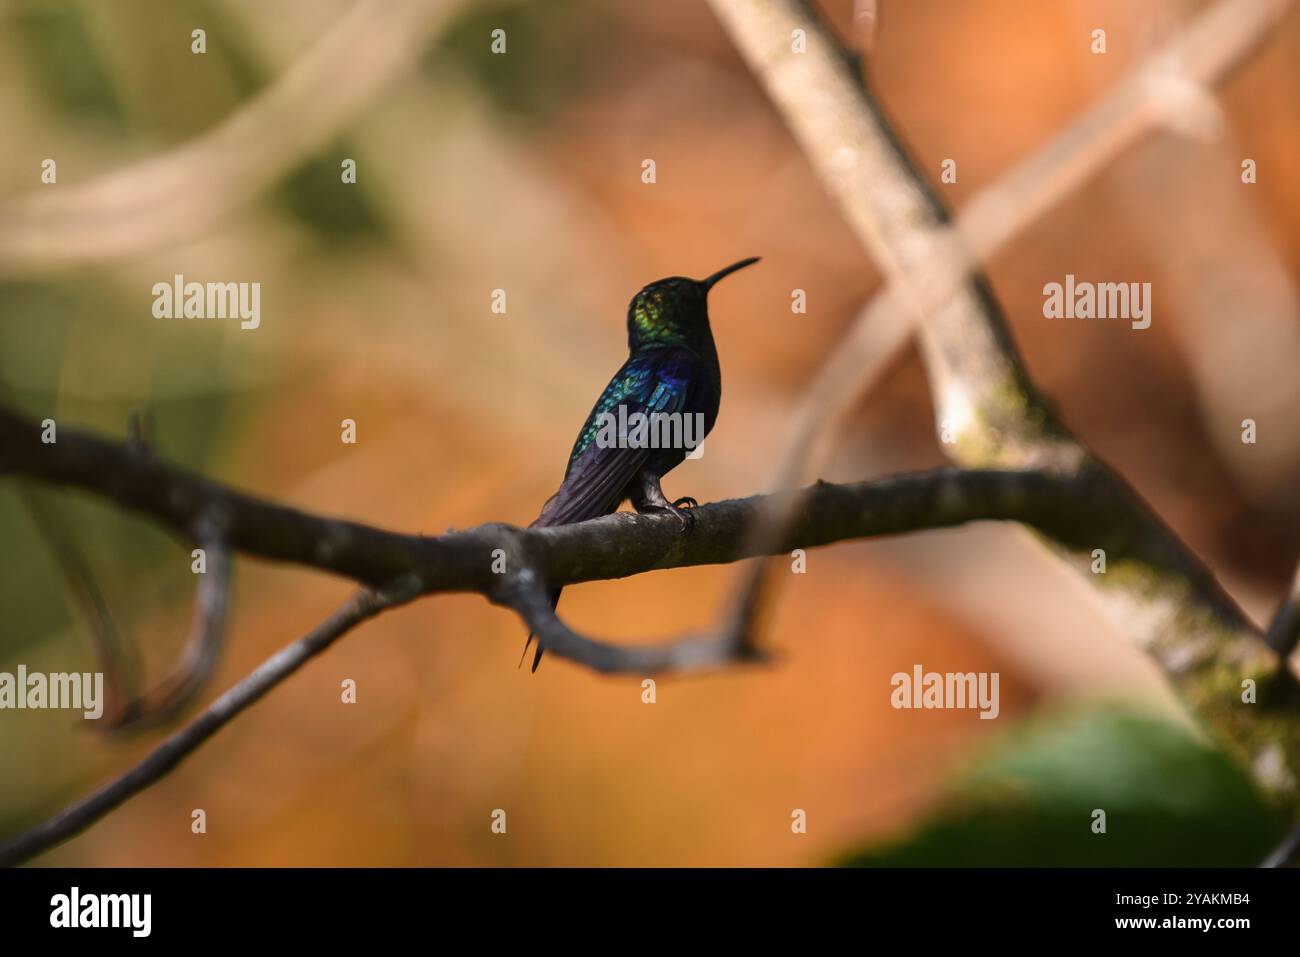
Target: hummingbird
column 672, row 367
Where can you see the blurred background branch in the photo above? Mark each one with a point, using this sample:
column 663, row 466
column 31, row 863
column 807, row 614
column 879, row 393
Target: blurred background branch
column 202, row 648
column 983, row 396
column 97, row 620
column 179, row 194
column 1284, row 630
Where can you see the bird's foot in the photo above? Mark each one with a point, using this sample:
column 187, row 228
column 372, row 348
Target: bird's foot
column 685, row 520
column 682, row 511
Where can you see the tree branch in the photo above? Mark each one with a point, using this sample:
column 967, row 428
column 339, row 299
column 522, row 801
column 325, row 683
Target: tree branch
column 615, row 546
column 1073, row 509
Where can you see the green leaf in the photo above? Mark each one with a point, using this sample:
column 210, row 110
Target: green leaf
column 1169, row 800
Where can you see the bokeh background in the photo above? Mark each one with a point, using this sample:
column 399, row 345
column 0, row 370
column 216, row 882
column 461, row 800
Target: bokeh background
column 522, row 172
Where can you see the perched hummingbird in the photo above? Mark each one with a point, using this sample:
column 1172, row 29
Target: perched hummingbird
column 672, row 367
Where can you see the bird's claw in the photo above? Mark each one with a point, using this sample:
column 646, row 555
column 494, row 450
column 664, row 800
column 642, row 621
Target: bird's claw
column 682, row 511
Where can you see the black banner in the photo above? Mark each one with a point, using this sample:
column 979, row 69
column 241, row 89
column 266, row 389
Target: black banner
column 304, row 907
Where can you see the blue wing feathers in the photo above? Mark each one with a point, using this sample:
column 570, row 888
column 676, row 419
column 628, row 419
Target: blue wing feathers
column 597, row 478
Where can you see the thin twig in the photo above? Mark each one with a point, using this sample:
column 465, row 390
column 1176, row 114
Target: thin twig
column 202, row 649
column 75, row 818
column 530, row 597
column 88, row 597
column 124, row 708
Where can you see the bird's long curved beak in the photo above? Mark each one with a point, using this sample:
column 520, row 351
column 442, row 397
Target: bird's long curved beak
column 723, row 273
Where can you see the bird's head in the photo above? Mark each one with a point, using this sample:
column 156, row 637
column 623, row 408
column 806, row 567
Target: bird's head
column 674, row 310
